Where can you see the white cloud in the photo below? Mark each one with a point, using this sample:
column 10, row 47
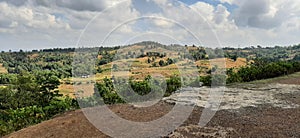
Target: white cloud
column 106, row 21
column 41, row 23
column 163, row 23
column 60, row 22
column 227, row 1
column 18, row 17
column 86, row 5
column 265, row 14
column 80, row 5
column 221, row 14
column 205, row 10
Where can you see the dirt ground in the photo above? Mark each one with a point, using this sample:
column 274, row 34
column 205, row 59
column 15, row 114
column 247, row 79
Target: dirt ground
column 263, row 121
column 260, row 121
column 295, row 81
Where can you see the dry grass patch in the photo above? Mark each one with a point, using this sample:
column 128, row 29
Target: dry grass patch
column 2, row 69
column 66, row 90
column 32, row 56
column 229, row 63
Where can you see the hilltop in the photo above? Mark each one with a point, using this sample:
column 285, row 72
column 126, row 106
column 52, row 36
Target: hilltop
column 249, row 121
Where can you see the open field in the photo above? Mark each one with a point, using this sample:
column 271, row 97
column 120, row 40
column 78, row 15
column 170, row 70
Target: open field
column 67, row 90
column 74, row 88
column 229, row 63
column 2, row 69
column 140, row 68
column 32, row 56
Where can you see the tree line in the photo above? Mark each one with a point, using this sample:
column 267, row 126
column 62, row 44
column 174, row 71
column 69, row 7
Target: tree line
column 259, row 70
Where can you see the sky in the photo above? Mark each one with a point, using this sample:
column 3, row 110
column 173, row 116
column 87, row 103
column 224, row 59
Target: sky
column 38, row 24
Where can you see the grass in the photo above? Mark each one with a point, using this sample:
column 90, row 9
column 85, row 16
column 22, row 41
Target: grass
column 32, row 56
column 83, row 89
column 261, row 83
column 240, row 62
column 274, row 80
column 67, row 90
column 2, row 69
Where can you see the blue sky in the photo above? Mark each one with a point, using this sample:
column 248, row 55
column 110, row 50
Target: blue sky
column 37, row 24
column 230, row 7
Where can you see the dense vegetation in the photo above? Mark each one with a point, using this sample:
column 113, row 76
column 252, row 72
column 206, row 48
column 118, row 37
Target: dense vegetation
column 151, row 89
column 27, row 99
column 58, row 62
column 263, row 70
column 259, row 70
column 270, row 54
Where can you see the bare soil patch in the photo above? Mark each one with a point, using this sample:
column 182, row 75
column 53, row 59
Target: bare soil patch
column 262, row 121
column 295, row 81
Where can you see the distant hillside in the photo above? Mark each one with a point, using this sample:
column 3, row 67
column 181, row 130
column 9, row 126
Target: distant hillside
column 145, row 57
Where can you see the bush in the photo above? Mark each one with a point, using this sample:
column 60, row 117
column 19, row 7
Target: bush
column 173, row 84
column 107, row 93
column 206, row 80
column 13, row 120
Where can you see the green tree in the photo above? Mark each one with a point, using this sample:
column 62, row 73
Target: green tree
column 149, row 60
column 173, row 84
column 48, row 83
column 161, row 63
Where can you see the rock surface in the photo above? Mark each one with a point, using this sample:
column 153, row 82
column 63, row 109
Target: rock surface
column 195, row 131
column 235, row 98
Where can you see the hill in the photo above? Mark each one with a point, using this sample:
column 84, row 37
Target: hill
column 249, row 121
column 35, row 84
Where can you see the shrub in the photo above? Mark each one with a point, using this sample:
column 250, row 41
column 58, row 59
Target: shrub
column 106, row 91
column 173, row 84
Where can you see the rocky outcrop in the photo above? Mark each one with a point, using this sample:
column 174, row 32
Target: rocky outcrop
column 195, row 131
column 235, row 97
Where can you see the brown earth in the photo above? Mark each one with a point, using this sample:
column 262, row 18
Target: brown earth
column 223, row 62
column 260, row 121
column 263, row 121
column 294, row 81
